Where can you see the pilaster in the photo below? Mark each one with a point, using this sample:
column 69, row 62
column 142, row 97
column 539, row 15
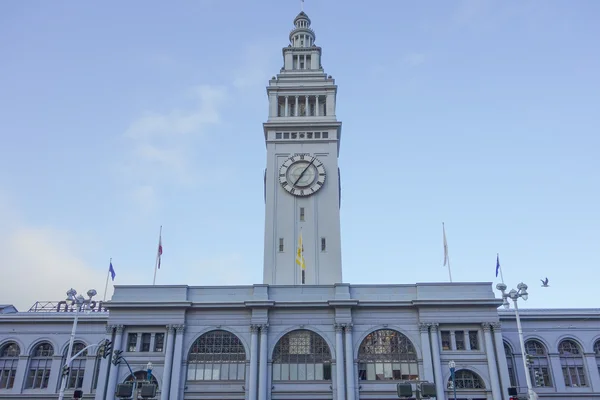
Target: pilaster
column 168, row 367
column 339, row 361
column 263, row 381
column 491, row 361
column 19, row 383
column 593, row 371
column 501, row 358
column 114, row 370
column 105, row 365
column 557, row 376
column 350, row 376
column 426, row 352
column 177, row 358
column 440, row 386
column 253, row 379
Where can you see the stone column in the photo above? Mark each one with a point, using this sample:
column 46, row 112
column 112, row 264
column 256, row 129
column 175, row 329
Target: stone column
column 55, row 378
column 296, row 108
column 316, row 105
column 114, row 370
column 20, row 375
column 501, row 357
column 426, row 352
column 339, row 361
column 557, row 375
column 287, row 106
column 263, row 380
column 440, row 386
column 252, row 384
column 491, row 361
column 177, row 357
column 166, row 379
column 350, row 378
column 594, row 372
column 306, row 109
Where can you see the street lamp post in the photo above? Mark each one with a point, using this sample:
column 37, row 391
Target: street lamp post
column 149, row 371
column 452, row 366
column 514, row 296
column 79, row 302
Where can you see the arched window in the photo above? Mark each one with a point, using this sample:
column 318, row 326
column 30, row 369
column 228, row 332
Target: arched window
column 217, row 356
column 510, row 361
column 40, row 365
column 539, row 364
column 9, row 357
column 387, row 355
column 466, row 379
column 571, row 362
column 597, row 351
column 77, row 370
column 301, row 355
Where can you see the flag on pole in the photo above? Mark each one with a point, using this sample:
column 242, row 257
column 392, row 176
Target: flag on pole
column 300, row 253
column 497, row 264
column 112, row 272
column 159, row 249
column 446, row 260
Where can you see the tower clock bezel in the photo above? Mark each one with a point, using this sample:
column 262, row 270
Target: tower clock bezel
column 290, row 179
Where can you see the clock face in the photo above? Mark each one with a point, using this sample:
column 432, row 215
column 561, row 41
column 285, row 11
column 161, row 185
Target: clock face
column 302, row 175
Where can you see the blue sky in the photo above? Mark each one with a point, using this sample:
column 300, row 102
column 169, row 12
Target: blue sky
column 117, row 117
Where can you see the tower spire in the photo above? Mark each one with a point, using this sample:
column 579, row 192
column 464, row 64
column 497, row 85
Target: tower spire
column 301, row 5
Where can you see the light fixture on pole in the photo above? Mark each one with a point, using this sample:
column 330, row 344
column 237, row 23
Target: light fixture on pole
column 149, row 371
column 452, row 366
column 79, row 302
column 514, row 296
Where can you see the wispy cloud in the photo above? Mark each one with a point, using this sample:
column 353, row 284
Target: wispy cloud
column 159, row 142
column 41, row 263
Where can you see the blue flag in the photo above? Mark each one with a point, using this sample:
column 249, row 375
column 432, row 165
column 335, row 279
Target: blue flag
column 497, row 264
column 112, row 272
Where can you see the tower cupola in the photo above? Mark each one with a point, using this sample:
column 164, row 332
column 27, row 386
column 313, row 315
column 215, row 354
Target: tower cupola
column 302, row 35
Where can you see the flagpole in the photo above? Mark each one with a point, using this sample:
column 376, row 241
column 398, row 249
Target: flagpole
column 107, row 276
column 157, row 257
column 446, row 255
column 499, row 266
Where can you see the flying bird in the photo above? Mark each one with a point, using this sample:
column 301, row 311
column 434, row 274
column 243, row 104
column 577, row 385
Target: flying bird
column 544, row 282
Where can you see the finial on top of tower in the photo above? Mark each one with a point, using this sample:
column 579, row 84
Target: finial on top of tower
column 301, row 5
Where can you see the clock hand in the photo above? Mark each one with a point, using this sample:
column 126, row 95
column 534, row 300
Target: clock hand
column 305, row 169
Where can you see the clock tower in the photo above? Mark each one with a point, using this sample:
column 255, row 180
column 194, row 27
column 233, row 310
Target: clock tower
column 302, row 179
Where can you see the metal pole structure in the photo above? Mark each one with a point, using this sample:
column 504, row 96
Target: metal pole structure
column 63, row 384
column 530, row 392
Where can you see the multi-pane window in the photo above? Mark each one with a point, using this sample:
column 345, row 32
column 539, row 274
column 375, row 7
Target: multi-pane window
column 9, row 357
column 571, row 361
column 77, row 370
column 323, row 244
column 217, row 356
column 159, row 342
column 597, row 352
column 301, row 355
column 280, row 245
column 474, row 340
column 40, row 364
column 145, row 345
column 539, row 364
column 446, row 340
column 465, row 379
column 510, row 361
column 302, row 214
column 132, row 342
column 459, row 339
column 387, row 355
column 141, row 376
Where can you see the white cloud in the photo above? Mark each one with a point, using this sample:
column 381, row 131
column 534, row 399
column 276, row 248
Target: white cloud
column 160, row 142
column 40, row 263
